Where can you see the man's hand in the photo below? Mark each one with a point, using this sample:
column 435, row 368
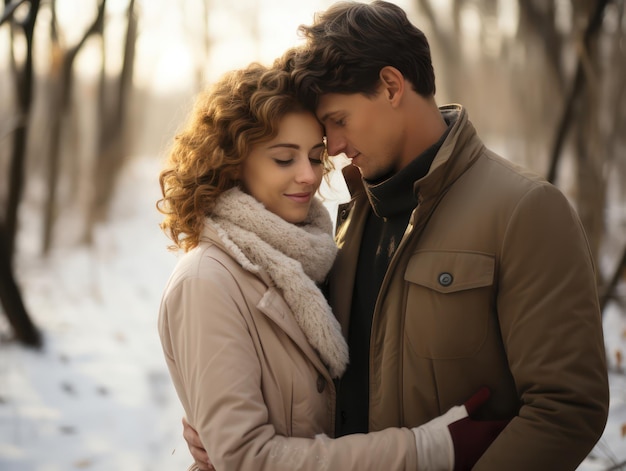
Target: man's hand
column 471, row 437
column 456, row 440
column 199, row 454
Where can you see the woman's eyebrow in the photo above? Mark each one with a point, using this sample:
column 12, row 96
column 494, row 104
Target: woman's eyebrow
column 284, row 144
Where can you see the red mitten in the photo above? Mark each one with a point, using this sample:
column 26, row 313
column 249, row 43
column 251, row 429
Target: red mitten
column 471, row 437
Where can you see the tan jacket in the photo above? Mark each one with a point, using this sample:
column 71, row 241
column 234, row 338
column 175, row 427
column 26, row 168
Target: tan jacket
column 493, row 284
column 248, row 379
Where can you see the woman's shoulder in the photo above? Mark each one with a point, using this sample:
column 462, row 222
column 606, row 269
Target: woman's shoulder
column 208, row 271
column 213, row 265
column 206, row 261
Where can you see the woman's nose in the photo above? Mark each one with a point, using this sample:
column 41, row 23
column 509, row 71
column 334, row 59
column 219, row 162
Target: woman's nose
column 306, row 173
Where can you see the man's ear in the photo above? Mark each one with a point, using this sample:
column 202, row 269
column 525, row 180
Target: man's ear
column 393, row 83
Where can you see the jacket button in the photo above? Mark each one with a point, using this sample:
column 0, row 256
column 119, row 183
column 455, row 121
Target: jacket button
column 445, row 279
column 321, row 384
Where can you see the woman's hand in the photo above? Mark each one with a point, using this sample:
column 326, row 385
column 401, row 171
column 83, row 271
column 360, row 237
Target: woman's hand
column 199, row 454
column 456, row 440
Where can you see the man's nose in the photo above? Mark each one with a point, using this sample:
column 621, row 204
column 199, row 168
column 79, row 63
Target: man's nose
column 335, row 142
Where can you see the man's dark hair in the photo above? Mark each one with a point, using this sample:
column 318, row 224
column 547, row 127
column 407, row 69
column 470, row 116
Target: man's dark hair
column 348, row 44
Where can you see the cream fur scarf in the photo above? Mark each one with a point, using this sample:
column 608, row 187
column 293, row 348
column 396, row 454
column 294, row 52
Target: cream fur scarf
column 294, row 256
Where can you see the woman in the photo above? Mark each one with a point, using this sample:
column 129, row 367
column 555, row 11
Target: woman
column 249, row 339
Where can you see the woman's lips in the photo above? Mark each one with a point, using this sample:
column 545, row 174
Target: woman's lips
column 299, row 197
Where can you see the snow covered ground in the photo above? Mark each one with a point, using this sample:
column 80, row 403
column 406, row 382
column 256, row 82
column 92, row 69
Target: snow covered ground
column 98, row 396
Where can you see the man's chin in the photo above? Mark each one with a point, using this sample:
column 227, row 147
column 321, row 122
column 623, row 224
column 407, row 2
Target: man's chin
column 374, row 177
column 360, row 170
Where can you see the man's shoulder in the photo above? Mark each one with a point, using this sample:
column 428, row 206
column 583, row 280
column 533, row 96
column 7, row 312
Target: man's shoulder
column 506, row 175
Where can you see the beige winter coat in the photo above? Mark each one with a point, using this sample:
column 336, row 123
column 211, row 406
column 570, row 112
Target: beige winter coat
column 249, row 381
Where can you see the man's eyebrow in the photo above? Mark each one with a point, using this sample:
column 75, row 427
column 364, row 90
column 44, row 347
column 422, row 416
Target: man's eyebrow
column 325, row 116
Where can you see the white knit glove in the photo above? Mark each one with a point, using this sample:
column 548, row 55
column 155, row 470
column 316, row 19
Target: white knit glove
column 435, row 450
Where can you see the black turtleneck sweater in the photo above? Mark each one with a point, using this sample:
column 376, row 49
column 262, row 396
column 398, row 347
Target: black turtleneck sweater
column 393, row 201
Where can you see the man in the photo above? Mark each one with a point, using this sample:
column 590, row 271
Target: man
column 456, row 268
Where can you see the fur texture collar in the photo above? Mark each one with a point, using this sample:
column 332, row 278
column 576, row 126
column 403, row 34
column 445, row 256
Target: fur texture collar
column 296, row 257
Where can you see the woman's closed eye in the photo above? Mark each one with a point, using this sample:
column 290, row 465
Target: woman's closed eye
column 283, row 162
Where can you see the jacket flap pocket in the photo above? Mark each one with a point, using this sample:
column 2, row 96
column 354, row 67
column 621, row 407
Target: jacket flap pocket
column 450, row 271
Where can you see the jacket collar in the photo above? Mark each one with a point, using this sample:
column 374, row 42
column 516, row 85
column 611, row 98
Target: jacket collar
column 209, row 235
column 458, row 152
column 272, row 304
column 395, row 195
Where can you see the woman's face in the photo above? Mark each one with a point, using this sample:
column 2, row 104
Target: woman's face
column 285, row 173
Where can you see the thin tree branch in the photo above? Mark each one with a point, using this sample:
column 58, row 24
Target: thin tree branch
column 65, row 88
column 610, row 287
column 595, row 21
column 543, row 26
column 617, row 466
column 14, row 123
column 7, row 14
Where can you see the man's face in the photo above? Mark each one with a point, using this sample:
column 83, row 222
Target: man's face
column 367, row 129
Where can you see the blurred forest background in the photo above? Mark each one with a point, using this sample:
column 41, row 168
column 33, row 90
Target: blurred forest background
column 88, row 85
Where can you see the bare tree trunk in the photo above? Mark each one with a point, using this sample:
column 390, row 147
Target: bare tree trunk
column 448, row 43
column 11, row 298
column 541, row 20
column 24, row 84
column 65, row 82
column 608, row 292
column 591, row 184
column 570, row 111
column 113, row 145
column 615, row 145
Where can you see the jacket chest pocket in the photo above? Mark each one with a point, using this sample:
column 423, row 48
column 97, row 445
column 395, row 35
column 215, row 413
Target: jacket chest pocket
column 449, row 299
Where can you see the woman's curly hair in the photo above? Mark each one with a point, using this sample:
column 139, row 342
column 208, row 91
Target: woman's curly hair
column 240, row 110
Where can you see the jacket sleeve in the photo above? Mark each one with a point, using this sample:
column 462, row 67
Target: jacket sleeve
column 552, row 332
column 215, row 368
